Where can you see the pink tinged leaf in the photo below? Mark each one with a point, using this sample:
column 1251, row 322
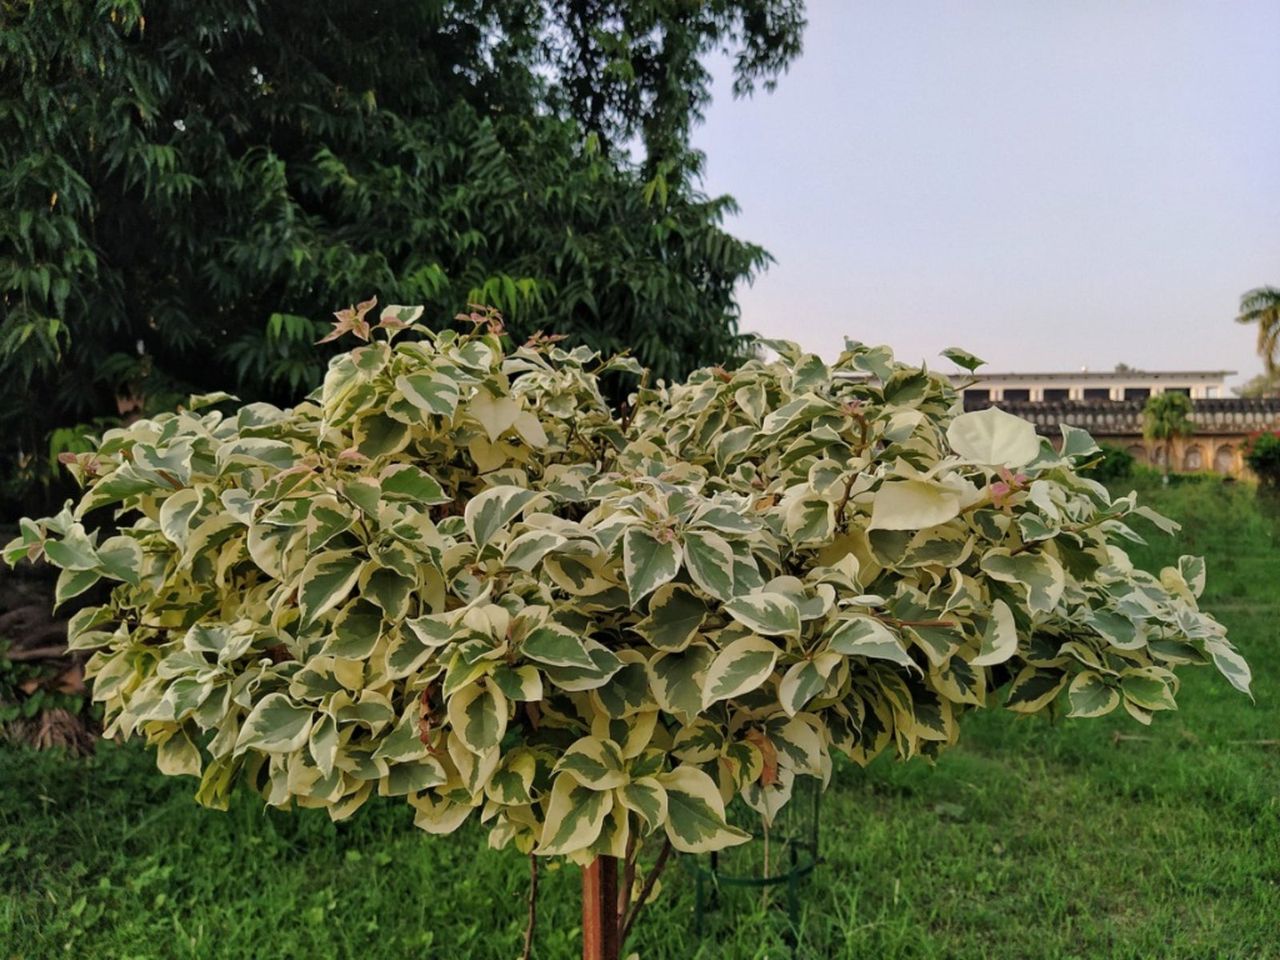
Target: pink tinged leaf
column 396, row 317
column 351, row 320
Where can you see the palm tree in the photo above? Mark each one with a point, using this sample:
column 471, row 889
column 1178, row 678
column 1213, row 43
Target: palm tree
column 1262, row 306
column 1167, row 415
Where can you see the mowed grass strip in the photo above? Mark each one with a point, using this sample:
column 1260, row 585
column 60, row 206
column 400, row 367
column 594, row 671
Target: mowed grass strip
column 1079, row 839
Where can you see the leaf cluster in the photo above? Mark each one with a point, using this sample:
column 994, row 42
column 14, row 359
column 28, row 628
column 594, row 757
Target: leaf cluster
column 453, row 574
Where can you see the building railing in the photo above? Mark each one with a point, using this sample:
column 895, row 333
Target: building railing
column 1233, row 415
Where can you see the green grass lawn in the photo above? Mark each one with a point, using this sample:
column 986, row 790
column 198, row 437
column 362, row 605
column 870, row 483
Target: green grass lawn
column 1085, row 839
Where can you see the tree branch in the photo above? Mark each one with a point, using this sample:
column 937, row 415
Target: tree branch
column 533, row 907
column 895, row 622
column 39, row 653
column 628, row 878
column 659, row 865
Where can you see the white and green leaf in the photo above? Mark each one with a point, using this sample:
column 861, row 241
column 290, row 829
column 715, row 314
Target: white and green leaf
column 695, row 813
column 771, row 614
column 648, row 561
column 742, row 666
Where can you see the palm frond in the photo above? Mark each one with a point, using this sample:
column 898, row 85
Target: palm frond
column 1262, row 306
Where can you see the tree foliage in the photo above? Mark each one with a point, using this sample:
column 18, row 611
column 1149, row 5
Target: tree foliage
column 1260, row 385
column 1166, row 416
column 455, row 575
column 1262, row 454
column 190, row 186
column 1112, row 463
column 1262, row 306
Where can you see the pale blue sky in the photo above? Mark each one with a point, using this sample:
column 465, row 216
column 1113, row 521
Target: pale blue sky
column 1048, row 184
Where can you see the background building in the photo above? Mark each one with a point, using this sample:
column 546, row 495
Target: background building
column 1087, row 385
column 1109, row 405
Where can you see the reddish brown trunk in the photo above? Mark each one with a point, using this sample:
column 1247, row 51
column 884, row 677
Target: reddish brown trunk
column 600, row 909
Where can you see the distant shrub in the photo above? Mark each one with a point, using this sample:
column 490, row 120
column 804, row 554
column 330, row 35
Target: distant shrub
column 1199, row 477
column 1209, row 476
column 1115, row 463
column 1262, row 454
column 1144, row 475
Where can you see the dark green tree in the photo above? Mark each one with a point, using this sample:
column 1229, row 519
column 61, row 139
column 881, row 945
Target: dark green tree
column 1262, row 454
column 1164, row 417
column 187, row 189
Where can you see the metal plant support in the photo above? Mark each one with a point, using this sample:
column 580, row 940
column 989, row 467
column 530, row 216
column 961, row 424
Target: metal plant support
column 781, row 855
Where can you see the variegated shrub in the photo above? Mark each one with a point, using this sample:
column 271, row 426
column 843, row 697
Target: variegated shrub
column 454, row 575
